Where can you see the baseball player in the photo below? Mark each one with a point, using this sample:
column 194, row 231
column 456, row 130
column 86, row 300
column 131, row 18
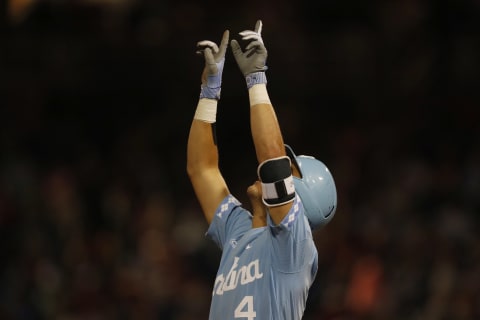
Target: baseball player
column 269, row 259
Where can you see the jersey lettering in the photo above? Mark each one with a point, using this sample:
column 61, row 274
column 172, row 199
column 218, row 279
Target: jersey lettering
column 245, row 274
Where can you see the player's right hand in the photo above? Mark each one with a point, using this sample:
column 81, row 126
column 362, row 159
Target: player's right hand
column 214, row 56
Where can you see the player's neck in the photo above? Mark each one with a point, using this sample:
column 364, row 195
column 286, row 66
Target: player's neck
column 259, row 220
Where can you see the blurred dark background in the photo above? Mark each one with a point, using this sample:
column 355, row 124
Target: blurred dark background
column 97, row 216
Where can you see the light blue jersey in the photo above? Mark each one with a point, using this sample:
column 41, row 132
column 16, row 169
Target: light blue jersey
column 265, row 273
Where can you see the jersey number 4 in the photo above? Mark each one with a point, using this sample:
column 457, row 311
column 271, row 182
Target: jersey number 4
column 245, row 309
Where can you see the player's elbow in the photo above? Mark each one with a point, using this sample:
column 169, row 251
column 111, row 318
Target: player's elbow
column 198, row 163
column 192, row 170
column 198, row 169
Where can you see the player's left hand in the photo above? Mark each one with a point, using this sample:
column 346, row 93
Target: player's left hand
column 214, row 56
column 254, row 57
column 259, row 210
column 254, row 192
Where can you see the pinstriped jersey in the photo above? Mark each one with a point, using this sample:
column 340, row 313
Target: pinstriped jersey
column 264, row 273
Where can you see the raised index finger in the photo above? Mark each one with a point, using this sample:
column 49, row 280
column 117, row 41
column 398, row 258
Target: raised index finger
column 258, row 27
column 224, row 43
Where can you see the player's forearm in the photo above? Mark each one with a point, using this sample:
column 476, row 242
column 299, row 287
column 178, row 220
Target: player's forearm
column 266, row 132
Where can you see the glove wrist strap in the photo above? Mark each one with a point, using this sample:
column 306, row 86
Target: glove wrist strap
column 210, row 93
column 255, row 78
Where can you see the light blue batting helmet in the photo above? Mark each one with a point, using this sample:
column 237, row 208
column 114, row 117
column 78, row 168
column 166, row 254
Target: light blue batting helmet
column 316, row 189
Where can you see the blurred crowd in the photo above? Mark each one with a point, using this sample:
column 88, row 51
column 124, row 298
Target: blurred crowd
column 97, row 216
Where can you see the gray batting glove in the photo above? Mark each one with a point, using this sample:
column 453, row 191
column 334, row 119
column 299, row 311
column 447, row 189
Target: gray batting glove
column 214, row 61
column 252, row 61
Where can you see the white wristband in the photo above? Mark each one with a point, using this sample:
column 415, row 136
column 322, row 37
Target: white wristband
column 258, row 94
column 206, row 110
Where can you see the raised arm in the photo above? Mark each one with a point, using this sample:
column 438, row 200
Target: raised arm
column 274, row 167
column 202, row 152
